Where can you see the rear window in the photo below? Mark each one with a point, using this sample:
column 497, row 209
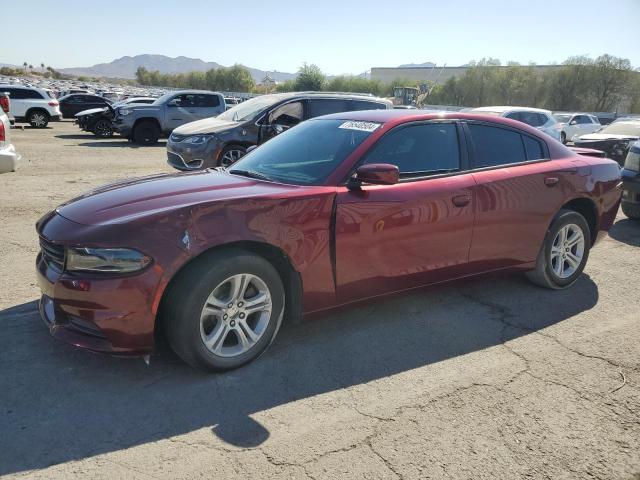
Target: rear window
column 494, row 146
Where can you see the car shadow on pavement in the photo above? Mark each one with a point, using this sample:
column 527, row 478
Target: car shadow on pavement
column 59, row 403
column 626, row 231
column 107, row 142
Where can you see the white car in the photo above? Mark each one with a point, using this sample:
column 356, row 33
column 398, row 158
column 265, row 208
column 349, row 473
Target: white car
column 576, row 124
column 8, row 156
column 35, row 106
column 536, row 117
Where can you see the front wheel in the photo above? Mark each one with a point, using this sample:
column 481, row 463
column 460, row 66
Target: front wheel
column 224, row 310
column 231, row 155
column 564, row 251
column 38, row 119
column 146, row 133
column 103, row 129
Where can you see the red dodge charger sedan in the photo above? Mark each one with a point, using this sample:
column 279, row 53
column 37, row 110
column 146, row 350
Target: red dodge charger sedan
column 336, row 210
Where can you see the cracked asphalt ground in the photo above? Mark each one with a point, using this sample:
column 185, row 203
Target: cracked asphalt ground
column 488, row 378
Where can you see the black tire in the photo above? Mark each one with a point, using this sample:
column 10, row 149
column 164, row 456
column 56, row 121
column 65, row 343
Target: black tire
column 631, row 211
column 38, row 118
column 543, row 274
column 146, row 133
column 182, row 307
column 102, row 128
column 231, row 151
column 563, row 137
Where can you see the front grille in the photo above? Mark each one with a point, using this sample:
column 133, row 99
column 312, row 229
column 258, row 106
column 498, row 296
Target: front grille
column 52, row 254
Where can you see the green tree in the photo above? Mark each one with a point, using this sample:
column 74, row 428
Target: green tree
column 310, row 77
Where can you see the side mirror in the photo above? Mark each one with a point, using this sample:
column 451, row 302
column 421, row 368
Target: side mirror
column 173, row 103
column 573, row 122
column 377, row 174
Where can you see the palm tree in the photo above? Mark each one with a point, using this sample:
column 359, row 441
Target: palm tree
column 30, row 67
column 42, row 66
column 25, row 66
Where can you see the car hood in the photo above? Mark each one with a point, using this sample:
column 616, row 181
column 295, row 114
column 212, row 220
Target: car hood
column 206, row 125
column 91, row 111
column 596, row 137
column 132, row 199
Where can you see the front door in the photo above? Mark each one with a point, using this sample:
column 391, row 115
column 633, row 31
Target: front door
column 279, row 119
column 393, row 237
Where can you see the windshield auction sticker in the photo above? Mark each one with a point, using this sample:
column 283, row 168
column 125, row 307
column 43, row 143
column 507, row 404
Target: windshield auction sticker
column 362, row 126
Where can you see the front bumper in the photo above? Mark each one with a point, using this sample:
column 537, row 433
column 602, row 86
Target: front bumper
column 122, row 128
column 102, row 313
column 630, row 187
column 185, row 156
column 9, row 159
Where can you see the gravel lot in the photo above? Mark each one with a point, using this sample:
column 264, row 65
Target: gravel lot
column 489, row 378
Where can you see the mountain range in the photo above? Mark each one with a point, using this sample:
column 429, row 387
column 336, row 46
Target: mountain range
column 126, row 67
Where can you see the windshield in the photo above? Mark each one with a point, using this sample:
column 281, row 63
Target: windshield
column 250, row 109
column 622, row 128
column 306, row 154
column 561, row 118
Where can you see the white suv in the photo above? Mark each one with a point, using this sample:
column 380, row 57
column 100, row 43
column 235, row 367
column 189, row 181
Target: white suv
column 35, row 106
column 536, row 117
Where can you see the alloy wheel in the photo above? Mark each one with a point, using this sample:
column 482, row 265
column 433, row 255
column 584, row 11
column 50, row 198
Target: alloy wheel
column 38, row 120
column 567, row 251
column 235, row 315
column 230, row 157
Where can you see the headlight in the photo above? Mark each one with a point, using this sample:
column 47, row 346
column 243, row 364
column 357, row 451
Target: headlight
column 105, row 260
column 124, row 112
column 197, row 139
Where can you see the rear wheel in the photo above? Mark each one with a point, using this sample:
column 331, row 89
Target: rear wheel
column 231, row 154
column 102, row 128
column 38, row 118
column 631, row 211
column 564, row 252
column 224, row 310
column 146, row 133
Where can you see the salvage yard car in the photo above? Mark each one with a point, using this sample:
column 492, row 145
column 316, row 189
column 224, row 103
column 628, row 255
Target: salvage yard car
column 8, row 156
column 223, row 140
column 339, row 209
column 541, row 119
column 144, row 124
column 631, row 183
column 614, row 139
column 576, row 124
column 98, row 120
column 35, row 106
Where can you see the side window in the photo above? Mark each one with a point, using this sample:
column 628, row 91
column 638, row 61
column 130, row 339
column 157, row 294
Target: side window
column 514, row 116
column 13, row 93
column 533, row 148
column 495, row 146
column 207, row 101
column 419, row 149
column 289, row 114
column 583, row 119
column 185, row 100
column 32, row 95
column 74, row 99
column 364, row 105
column 326, row 106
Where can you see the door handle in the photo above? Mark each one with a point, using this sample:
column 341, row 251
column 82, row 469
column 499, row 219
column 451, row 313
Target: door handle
column 551, row 181
column 461, row 200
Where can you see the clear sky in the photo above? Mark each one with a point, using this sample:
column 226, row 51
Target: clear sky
column 340, row 36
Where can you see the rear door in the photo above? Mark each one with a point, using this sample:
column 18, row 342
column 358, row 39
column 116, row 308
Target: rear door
column 517, row 191
column 418, row 231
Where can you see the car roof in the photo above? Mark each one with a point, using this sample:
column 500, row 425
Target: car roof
column 504, row 108
column 393, row 117
column 359, row 96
